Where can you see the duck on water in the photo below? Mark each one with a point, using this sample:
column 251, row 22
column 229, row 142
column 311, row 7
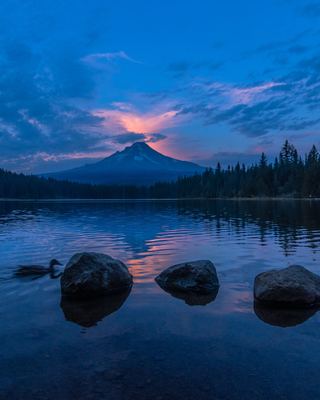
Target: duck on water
column 38, row 270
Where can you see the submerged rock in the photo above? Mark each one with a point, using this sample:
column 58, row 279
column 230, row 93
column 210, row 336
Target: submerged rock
column 283, row 317
column 90, row 275
column 197, row 277
column 89, row 312
column 294, row 286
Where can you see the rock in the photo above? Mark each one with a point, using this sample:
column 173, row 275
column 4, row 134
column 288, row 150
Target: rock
column 294, row 286
column 198, row 277
column 283, row 317
column 89, row 312
column 90, row 275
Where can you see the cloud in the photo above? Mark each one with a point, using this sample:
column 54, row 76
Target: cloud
column 41, row 162
column 156, row 137
column 252, row 110
column 56, row 108
column 232, row 95
column 131, row 137
column 247, row 95
column 129, row 120
column 37, row 113
column 286, row 103
column 96, row 59
column 42, row 110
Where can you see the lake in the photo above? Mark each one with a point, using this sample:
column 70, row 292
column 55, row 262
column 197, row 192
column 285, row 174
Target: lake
column 147, row 344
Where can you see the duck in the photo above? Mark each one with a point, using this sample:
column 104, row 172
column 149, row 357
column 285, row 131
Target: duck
column 26, row 270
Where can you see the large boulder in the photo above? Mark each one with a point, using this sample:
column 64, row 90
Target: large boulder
column 198, row 277
column 294, row 286
column 94, row 274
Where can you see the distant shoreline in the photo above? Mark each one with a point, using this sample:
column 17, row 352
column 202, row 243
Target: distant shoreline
column 109, row 200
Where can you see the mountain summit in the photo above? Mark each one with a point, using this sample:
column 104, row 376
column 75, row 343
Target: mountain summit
column 138, row 164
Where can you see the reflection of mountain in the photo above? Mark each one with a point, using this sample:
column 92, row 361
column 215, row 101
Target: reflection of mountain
column 138, row 164
column 88, row 313
column 283, row 317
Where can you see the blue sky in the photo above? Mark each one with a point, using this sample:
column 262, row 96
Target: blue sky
column 205, row 81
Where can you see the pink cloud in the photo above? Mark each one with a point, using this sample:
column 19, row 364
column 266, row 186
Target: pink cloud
column 124, row 118
column 248, row 94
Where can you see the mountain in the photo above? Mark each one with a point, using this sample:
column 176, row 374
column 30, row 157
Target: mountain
column 138, row 164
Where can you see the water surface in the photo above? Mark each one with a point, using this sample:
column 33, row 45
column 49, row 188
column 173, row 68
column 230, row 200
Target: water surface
column 147, row 344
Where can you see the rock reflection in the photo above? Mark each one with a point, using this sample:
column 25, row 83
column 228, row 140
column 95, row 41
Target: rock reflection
column 283, row 317
column 194, row 299
column 88, row 313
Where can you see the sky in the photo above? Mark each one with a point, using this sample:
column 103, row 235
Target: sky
column 204, row 80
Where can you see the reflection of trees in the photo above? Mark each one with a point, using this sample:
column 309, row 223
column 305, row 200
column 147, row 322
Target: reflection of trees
column 289, row 221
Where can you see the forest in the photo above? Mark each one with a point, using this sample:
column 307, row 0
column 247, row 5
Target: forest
column 289, row 175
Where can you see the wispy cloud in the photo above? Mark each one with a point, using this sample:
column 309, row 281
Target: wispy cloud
column 233, row 95
column 249, row 94
column 98, row 58
column 256, row 110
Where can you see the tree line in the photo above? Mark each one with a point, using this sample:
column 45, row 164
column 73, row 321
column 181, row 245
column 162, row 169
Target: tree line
column 289, row 175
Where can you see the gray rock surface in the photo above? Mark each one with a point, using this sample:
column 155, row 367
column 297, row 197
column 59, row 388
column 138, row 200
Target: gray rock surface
column 191, row 277
column 293, row 286
column 94, row 274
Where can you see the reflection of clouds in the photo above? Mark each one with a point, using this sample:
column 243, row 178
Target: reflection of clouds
column 167, row 248
column 241, row 239
column 150, row 237
column 233, row 298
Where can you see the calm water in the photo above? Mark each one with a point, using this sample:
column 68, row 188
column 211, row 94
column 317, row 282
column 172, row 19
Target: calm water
column 148, row 344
